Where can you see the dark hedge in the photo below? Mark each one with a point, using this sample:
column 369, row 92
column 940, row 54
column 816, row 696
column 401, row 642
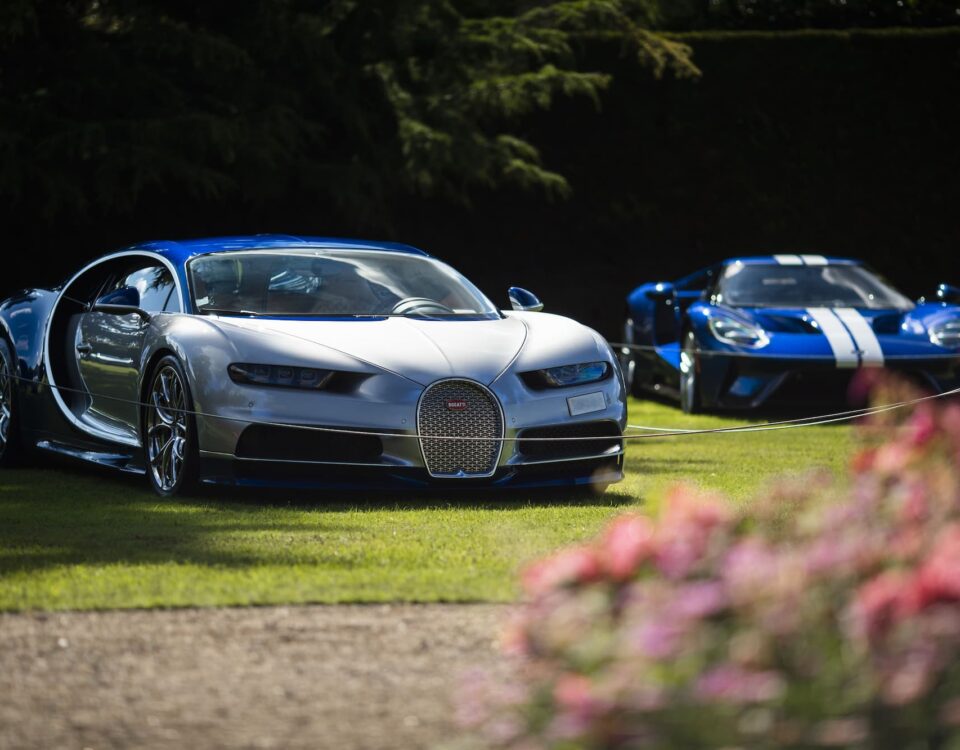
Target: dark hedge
column 820, row 141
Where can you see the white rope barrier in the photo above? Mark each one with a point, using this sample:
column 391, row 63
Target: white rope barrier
column 760, row 355
column 650, row 432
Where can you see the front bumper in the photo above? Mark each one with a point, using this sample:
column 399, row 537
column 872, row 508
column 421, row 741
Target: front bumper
column 368, row 439
column 749, row 382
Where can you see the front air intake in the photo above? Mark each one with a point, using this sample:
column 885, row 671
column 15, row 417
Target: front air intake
column 460, row 409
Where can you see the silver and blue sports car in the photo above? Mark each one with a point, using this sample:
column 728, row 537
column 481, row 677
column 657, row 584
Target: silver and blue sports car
column 749, row 332
column 297, row 361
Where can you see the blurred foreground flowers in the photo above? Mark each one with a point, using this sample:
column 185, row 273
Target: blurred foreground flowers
column 827, row 615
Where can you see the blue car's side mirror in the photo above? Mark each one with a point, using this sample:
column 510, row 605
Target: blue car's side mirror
column 660, row 292
column 948, row 294
column 521, row 299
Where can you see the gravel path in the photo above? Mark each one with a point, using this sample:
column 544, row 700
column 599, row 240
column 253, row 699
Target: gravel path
column 288, row 677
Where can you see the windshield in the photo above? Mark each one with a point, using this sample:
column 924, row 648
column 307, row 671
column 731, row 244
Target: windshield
column 761, row 285
column 362, row 283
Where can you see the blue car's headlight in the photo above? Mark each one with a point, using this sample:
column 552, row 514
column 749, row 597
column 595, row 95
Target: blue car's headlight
column 280, row 376
column 567, row 375
column 737, row 332
column 946, row 334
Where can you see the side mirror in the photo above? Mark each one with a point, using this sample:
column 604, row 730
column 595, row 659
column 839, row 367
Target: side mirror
column 124, row 301
column 660, row 292
column 521, row 299
column 947, row 294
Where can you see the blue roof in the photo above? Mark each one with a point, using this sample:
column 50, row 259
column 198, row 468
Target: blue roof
column 776, row 259
column 181, row 251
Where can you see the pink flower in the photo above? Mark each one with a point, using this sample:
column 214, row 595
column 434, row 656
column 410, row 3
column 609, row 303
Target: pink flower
column 729, row 683
column 578, row 707
column 911, row 677
column 627, row 543
column 916, row 505
column 922, row 425
column 573, row 693
column 939, row 576
column 950, row 420
column 882, row 602
column 698, row 600
column 748, row 566
column 659, row 638
column 689, row 525
column 863, row 460
column 575, row 565
column 892, row 458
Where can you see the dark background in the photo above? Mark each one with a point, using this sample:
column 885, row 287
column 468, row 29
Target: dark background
column 828, row 141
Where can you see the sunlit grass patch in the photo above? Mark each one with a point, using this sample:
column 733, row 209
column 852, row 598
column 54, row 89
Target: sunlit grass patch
column 72, row 538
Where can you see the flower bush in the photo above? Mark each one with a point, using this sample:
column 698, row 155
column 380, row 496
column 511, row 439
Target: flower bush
column 826, row 615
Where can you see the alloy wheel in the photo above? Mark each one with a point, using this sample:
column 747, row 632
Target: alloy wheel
column 6, row 404
column 167, row 428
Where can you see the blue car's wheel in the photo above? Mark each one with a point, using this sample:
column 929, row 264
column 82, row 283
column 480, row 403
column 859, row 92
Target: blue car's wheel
column 10, row 447
column 169, row 430
column 628, row 362
column 689, row 377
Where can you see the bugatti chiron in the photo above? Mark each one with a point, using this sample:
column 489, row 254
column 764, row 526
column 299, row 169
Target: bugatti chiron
column 299, row 361
column 783, row 329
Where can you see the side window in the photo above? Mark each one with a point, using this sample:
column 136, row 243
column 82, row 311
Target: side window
column 158, row 292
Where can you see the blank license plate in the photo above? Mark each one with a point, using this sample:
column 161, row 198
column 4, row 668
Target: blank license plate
column 586, row 403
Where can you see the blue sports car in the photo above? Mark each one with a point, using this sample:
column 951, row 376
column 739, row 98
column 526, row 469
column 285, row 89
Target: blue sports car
column 757, row 331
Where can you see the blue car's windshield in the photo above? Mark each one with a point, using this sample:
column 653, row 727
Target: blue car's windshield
column 771, row 285
column 332, row 283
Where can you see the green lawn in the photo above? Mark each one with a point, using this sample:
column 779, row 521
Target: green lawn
column 80, row 539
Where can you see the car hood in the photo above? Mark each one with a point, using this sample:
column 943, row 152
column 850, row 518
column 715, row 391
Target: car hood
column 419, row 349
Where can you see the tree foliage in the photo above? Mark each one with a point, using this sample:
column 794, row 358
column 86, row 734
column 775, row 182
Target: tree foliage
column 103, row 102
column 775, row 14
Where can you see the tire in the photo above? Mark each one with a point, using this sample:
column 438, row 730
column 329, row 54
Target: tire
column 629, row 364
column 690, row 400
column 170, row 430
column 11, row 443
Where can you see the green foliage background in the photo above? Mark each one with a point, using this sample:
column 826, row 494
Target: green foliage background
column 104, row 103
column 555, row 144
column 773, row 14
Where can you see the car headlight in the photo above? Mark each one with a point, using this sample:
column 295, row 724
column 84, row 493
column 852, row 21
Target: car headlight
column 733, row 331
column 280, row 376
column 946, row 334
column 567, row 375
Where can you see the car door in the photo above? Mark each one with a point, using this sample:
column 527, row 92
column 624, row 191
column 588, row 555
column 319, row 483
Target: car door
column 108, row 344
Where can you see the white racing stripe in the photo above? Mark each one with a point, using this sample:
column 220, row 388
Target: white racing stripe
column 866, row 339
column 844, row 348
column 788, row 260
column 814, row 260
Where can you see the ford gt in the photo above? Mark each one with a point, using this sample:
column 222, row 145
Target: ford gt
column 299, row 361
column 782, row 329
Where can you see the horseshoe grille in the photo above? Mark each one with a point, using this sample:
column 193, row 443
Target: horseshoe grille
column 460, row 408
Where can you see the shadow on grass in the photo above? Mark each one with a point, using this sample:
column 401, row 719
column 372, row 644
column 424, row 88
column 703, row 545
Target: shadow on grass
column 89, row 516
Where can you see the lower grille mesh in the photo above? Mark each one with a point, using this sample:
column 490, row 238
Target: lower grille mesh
column 460, row 408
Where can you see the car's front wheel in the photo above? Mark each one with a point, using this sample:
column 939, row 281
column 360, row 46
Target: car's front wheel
column 689, row 375
column 169, row 430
